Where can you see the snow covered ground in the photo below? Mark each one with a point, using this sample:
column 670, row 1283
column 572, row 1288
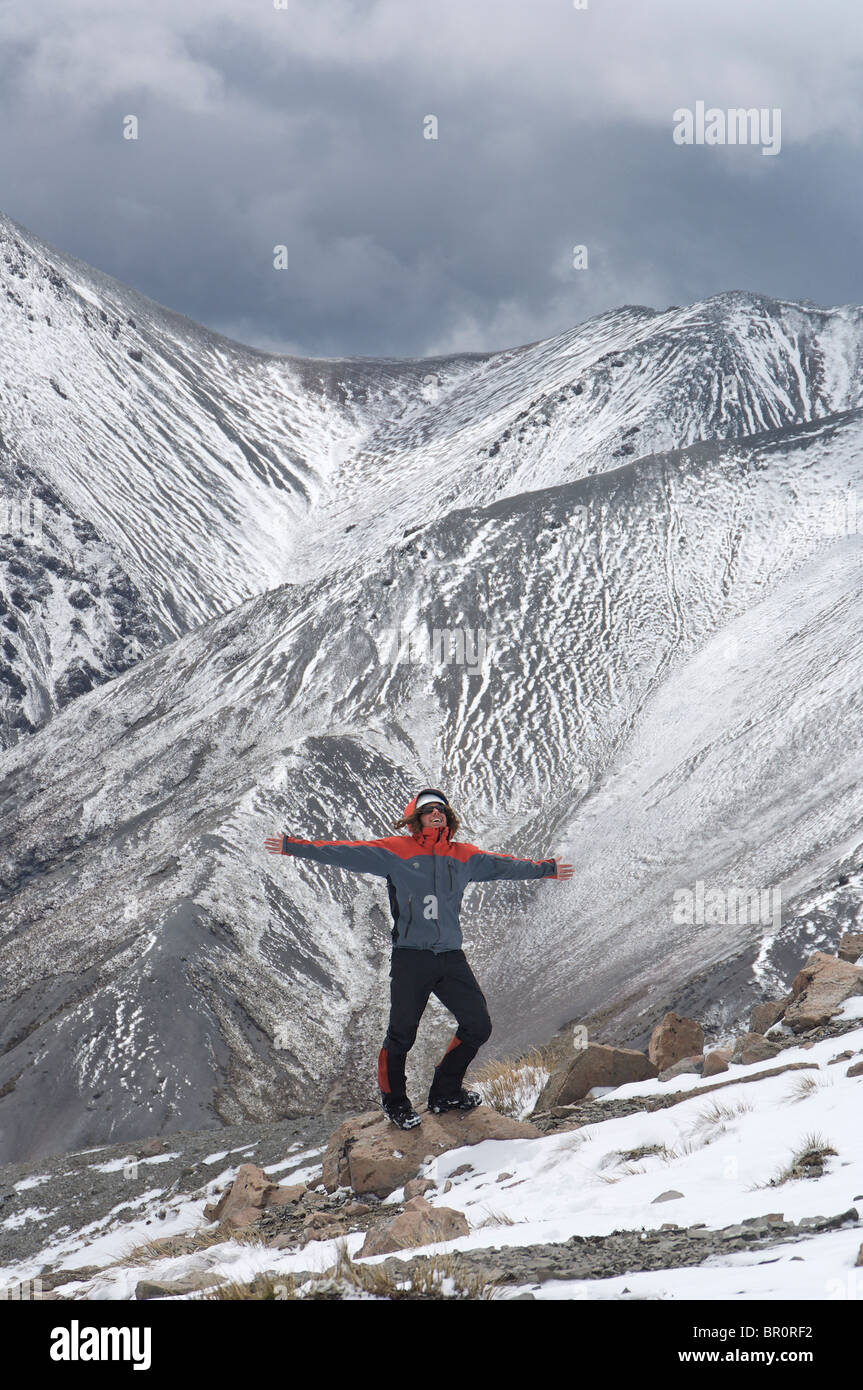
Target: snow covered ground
column 719, row 1151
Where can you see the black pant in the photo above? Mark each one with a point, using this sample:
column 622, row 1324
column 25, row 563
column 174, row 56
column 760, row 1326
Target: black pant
column 414, row 975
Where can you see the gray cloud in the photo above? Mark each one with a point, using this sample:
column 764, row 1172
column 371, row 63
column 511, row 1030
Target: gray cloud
column 305, row 127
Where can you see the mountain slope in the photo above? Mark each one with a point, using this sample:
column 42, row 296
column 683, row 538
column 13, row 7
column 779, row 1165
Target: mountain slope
column 205, row 472
column 203, row 981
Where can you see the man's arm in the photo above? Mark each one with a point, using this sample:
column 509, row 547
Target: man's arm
column 362, row 856
column 484, row 867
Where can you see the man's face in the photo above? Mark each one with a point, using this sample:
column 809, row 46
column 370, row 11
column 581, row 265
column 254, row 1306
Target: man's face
column 432, row 818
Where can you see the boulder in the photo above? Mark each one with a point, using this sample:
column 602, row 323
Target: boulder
column 417, row 1187
column 820, row 989
column 332, row 1230
column 764, row 1016
column 716, row 1061
column 370, row 1155
column 169, row 1288
column 856, row 1070
column 149, row 1147
column 753, row 1047
column 686, row 1064
column 284, row 1196
column 674, row 1038
column 596, row 1065
column 316, row 1220
column 850, row 946
column 247, row 1193
column 419, row 1224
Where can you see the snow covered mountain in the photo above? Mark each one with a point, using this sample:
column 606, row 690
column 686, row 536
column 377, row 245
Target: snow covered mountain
column 642, row 528
column 173, row 473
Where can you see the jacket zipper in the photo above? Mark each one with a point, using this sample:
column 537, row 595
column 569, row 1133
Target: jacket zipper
column 437, row 895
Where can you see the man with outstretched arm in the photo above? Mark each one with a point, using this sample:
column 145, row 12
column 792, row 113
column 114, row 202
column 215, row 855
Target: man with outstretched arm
column 426, row 871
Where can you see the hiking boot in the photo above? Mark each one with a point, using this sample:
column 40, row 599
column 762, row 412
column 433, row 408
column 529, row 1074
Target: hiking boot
column 462, row 1100
column 401, row 1112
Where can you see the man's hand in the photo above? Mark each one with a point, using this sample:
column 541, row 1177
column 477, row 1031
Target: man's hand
column 563, row 870
column 274, row 844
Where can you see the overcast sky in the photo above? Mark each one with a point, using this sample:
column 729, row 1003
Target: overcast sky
column 304, row 126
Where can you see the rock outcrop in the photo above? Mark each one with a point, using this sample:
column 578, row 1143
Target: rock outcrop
column 596, row 1065
column 369, row 1154
column 819, row 990
column 243, row 1200
column 419, row 1224
column 673, row 1039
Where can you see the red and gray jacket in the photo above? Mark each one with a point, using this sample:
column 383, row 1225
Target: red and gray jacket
column 426, row 875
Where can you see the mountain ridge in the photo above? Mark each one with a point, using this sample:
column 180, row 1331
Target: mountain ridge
column 135, row 801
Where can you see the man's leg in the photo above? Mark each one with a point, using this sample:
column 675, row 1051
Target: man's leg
column 411, row 981
column 457, row 989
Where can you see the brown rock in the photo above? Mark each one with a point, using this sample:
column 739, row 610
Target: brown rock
column 332, row 1231
column 284, row 1196
column 357, row 1209
column 716, row 1062
column 238, row 1218
column 753, row 1047
column 150, row 1147
column 850, row 946
column 819, row 990
column 674, row 1038
column 316, row 1220
column 419, row 1224
column 57, row 1277
column 681, row 1068
column 283, row 1241
column 859, row 1259
column 416, row 1187
column 369, row 1154
column 250, row 1189
column 595, row 1065
column 856, row 1070
column 764, row 1016
column 169, row 1288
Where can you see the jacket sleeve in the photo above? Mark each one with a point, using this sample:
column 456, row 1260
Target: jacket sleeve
column 483, row 867
column 362, row 856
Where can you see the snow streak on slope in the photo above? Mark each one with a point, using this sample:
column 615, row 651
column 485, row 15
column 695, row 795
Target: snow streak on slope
column 629, row 383
column 191, row 459
column 209, row 471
